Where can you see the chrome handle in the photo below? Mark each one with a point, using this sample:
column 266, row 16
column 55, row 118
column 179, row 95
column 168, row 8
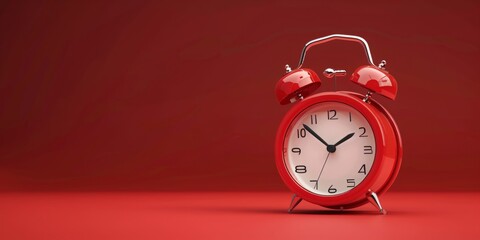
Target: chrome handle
column 329, row 38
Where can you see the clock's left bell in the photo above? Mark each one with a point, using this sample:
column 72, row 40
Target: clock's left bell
column 296, row 84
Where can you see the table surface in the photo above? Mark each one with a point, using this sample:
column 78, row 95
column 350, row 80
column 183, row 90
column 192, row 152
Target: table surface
column 232, row 215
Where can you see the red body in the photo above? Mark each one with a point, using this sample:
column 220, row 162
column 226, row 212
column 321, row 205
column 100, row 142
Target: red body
column 388, row 155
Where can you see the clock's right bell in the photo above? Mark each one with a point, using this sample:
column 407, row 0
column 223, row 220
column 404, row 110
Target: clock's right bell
column 376, row 79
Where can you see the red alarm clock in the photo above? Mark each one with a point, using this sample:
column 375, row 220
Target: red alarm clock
column 337, row 149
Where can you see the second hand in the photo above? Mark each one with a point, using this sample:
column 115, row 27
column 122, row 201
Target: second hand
column 320, row 174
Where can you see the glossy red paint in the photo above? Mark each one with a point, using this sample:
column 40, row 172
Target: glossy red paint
column 377, row 80
column 299, row 81
column 390, row 119
column 386, row 163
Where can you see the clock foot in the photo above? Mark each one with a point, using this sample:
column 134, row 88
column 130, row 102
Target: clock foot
column 373, row 198
column 295, row 201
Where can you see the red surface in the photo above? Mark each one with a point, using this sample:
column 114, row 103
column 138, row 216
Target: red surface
column 178, row 95
column 241, row 215
column 388, row 152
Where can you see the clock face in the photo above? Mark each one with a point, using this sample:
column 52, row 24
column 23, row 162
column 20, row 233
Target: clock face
column 329, row 148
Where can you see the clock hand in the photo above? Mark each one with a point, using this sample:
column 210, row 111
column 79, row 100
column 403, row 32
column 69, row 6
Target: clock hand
column 315, row 134
column 333, row 148
column 321, row 171
column 344, row 139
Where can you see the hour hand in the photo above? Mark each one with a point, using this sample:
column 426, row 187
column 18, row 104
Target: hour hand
column 315, row 134
column 344, row 139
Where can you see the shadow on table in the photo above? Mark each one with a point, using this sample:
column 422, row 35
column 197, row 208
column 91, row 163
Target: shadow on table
column 250, row 210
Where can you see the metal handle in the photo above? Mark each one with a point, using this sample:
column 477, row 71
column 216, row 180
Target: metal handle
column 329, row 38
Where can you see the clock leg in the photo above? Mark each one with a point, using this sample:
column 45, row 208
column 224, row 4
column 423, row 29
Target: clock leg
column 373, row 198
column 295, row 201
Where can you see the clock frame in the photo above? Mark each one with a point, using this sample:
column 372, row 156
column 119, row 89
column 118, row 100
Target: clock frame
column 388, row 151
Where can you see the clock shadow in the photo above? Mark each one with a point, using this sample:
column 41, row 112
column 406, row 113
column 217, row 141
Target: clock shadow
column 334, row 212
column 329, row 212
column 253, row 210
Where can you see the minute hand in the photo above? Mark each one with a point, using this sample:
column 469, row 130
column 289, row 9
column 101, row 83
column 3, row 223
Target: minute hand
column 344, row 139
column 315, row 134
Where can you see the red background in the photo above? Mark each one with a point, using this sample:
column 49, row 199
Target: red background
column 157, row 95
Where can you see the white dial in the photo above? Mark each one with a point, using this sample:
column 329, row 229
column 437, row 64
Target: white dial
column 329, row 148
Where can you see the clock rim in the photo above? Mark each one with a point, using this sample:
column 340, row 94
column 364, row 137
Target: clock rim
column 398, row 161
column 356, row 196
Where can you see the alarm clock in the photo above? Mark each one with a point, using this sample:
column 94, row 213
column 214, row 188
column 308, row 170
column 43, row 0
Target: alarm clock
column 337, row 149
